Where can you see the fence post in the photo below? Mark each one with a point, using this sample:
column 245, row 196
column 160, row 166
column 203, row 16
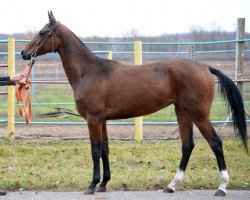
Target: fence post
column 11, row 89
column 138, row 120
column 109, row 56
column 239, row 61
column 191, row 52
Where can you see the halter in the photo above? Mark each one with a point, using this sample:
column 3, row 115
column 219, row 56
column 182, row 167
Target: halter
column 51, row 33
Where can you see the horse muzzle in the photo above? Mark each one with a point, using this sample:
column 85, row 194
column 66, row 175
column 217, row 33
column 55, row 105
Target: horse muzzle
column 26, row 56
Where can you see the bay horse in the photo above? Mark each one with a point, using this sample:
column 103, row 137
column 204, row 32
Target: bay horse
column 107, row 90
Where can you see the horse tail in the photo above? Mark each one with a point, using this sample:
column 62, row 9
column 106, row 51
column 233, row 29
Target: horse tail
column 231, row 92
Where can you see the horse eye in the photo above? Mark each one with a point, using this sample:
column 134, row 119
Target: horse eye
column 41, row 33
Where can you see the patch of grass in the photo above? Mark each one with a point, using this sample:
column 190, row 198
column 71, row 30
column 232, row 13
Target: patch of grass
column 67, row 165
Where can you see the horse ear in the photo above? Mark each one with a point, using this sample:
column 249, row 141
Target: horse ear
column 52, row 19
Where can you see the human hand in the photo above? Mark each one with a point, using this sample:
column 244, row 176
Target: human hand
column 16, row 78
column 25, row 82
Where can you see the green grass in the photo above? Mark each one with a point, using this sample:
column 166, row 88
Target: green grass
column 67, row 165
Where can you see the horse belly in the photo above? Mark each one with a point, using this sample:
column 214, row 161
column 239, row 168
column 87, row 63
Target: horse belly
column 137, row 107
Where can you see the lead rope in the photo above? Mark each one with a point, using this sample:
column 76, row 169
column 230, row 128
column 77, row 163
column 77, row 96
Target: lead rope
column 23, row 94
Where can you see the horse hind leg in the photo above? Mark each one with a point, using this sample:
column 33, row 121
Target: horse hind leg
column 207, row 130
column 186, row 133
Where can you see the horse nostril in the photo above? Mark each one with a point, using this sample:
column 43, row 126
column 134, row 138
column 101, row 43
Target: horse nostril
column 33, row 54
column 21, row 52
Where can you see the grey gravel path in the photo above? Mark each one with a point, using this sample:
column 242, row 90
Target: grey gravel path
column 121, row 195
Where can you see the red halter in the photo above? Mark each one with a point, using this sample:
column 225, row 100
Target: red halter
column 23, row 94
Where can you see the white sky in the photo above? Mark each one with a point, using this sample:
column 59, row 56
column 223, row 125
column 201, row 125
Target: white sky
column 116, row 17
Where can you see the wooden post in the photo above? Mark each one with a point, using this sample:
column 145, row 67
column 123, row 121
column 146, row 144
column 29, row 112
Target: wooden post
column 191, row 52
column 109, row 56
column 11, row 89
column 138, row 120
column 239, row 61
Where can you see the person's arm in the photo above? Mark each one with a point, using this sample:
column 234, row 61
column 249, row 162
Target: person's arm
column 11, row 80
column 5, row 81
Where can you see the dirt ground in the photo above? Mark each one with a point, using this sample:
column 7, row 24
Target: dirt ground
column 120, row 132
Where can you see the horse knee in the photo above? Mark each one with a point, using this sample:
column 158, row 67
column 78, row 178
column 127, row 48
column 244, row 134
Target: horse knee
column 105, row 148
column 96, row 154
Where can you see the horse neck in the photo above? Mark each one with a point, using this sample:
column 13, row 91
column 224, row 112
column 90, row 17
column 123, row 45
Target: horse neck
column 76, row 58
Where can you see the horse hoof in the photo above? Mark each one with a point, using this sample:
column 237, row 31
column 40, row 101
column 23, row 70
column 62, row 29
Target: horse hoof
column 101, row 189
column 169, row 189
column 220, row 193
column 89, row 191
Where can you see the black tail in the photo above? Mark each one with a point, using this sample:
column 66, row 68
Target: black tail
column 231, row 92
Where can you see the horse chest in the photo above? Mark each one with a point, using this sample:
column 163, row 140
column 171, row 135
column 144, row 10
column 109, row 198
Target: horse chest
column 87, row 105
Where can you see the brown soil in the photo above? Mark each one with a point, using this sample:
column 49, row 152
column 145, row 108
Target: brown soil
column 122, row 132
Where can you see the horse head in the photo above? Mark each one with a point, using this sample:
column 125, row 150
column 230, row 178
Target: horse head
column 45, row 41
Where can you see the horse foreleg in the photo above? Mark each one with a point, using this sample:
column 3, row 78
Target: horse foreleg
column 95, row 132
column 105, row 159
column 186, row 133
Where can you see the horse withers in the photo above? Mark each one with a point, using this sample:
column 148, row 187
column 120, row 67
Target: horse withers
column 106, row 89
